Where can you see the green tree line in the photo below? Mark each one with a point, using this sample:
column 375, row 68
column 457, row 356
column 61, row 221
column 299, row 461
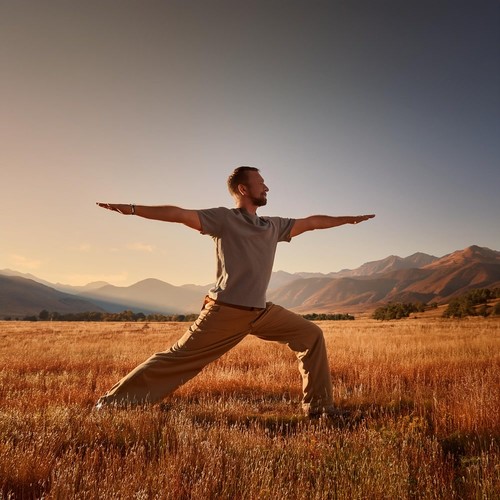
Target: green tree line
column 126, row 315
column 398, row 310
column 474, row 303
column 130, row 316
column 327, row 317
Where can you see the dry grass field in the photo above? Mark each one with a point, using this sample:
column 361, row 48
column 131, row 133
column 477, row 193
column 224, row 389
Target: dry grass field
column 423, row 395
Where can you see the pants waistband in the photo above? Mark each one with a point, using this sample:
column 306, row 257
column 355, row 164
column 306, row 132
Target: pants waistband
column 234, row 306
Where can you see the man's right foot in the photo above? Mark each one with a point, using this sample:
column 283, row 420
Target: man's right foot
column 337, row 415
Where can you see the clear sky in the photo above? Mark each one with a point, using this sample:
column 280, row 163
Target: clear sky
column 347, row 107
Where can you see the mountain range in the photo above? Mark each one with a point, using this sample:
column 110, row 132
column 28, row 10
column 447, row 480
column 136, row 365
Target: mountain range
column 417, row 278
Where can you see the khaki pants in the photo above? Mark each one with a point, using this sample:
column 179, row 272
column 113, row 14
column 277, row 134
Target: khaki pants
column 218, row 329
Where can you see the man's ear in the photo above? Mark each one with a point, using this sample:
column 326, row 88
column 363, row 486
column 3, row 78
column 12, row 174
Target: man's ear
column 242, row 189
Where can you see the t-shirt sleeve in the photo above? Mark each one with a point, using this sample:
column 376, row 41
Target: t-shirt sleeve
column 284, row 228
column 212, row 220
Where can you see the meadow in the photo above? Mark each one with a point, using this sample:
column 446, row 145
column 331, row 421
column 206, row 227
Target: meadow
column 421, row 398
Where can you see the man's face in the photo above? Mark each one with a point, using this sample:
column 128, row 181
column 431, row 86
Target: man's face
column 256, row 189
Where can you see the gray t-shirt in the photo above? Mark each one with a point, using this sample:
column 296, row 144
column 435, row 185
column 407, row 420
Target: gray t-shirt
column 245, row 245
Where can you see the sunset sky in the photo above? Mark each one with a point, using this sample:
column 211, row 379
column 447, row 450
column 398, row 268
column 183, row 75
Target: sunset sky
column 347, row 107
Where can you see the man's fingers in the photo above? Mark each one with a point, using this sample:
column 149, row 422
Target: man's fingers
column 362, row 218
column 113, row 208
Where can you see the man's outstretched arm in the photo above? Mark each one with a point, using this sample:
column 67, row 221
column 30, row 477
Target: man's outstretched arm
column 325, row 222
column 166, row 213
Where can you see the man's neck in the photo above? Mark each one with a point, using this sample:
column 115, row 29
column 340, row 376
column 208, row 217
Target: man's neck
column 249, row 207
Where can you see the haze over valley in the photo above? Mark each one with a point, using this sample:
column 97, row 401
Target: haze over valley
column 416, row 278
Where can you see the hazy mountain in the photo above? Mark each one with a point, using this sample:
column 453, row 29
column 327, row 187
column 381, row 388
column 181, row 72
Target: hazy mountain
column 79, row 289
column 391, row 263
column 419, row 277
column 72, row 289
column 198, row 288
column 149, row 295
column 21, row 297
column 470, row 254
column 437, row 281
column 281, row 278
column 10, row 272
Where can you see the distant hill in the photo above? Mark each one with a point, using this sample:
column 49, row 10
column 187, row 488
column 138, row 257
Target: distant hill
column 149, row 295
column 21, row 297
column 437, row 281
column 391, row 263
column 417, row 278
column 74, row 290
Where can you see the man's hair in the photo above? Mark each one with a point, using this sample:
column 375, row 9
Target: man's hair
column 239, row 176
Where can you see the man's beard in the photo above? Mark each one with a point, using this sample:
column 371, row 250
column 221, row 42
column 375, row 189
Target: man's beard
column 259, row 202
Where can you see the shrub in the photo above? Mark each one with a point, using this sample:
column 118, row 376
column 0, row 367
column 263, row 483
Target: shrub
column 327, row 317
column 496, row 309
column 465, row 305
column 397, row 310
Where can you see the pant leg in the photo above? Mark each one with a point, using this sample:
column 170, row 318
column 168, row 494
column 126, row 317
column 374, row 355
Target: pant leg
column 307, row 341
column 215, row 332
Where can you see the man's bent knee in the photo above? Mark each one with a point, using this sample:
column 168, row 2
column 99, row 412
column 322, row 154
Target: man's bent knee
column 314, row 331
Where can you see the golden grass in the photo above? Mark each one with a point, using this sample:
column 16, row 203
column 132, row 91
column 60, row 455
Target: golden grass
column 424, row 395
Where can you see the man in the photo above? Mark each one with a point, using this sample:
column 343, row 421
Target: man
column 236, row 306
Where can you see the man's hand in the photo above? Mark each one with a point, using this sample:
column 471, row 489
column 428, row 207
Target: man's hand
column 361, row 218
column 117, row 207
